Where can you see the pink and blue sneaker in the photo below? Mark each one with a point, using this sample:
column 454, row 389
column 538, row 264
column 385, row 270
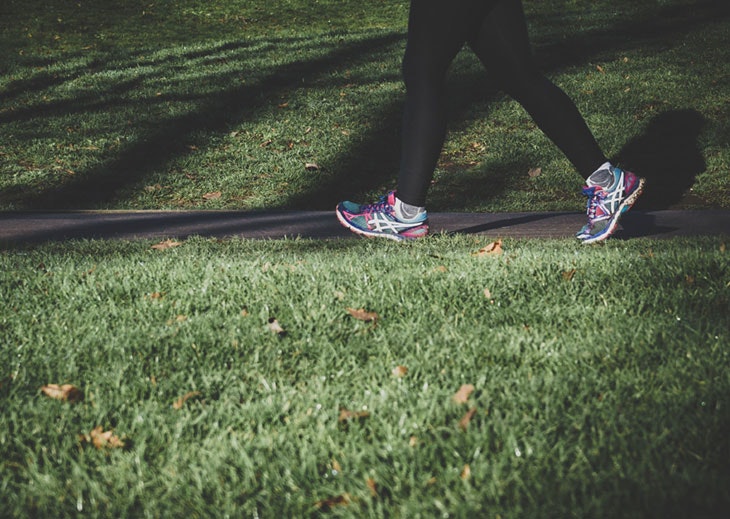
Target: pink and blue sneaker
column 611, row 192
column 380, row 220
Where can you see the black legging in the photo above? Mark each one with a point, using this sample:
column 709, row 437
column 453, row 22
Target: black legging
column 497, row 33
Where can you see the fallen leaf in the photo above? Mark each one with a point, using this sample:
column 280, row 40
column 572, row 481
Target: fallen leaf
column 488, row 294
column 493, row 249
column 568, row 275
column 214, row 195
column 464, row 422
column 373, row 486
column 156, row 295
column 311, row 166
column 336, row 466
column 399, row 371
column 466, row 472
column 65, row 392
column 167, row 244
column 101, row 439
column 534, row 172
column 363, row 315
column 180, row 402
column 441, row 268
column 600, row 69
column 462, row 395
column 346, row 415
column 275, row 327
column 331, row 502
column 413, row 441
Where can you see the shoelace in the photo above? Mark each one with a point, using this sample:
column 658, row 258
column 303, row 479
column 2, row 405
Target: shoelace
column 381, row 205
column 595, row 196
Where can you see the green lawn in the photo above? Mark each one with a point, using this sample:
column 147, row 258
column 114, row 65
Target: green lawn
column 237, row 378
column 155, row 104
column 601, row 379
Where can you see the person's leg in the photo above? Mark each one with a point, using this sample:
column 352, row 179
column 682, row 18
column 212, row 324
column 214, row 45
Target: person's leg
column 502, row 45
column 437, row 30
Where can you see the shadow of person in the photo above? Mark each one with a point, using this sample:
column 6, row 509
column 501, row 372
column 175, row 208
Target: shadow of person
column 668, row 155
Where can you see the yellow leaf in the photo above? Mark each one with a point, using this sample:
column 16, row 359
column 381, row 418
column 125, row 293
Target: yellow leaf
column 466, row 472
column 101, row 439
column 399, row 371
column 331, row 502
column 464, row 422
column 363, row 315
column 493, row 249
column 568, row 275
column 462, row 395
column 65, row 392
column 373, row 486
column 167, row 244
column 214, row 195
column 346, row 415
column 180, row 402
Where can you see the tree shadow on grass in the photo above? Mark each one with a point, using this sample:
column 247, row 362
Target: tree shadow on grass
column 372, row 163
column 214, row 114
column 667, row 154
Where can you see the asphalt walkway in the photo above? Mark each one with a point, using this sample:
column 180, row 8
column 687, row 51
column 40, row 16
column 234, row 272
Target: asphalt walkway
column 38, row 227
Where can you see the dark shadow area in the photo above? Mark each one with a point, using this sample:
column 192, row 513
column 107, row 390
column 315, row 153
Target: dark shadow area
column 372, row 163
column 668, row 155
column 216, row 114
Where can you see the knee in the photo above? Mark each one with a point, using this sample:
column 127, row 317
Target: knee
column 420, row 73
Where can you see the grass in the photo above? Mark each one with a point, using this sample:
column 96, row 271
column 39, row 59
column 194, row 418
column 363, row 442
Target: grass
column 155, row 104
column 593, row 398
column 600, row 374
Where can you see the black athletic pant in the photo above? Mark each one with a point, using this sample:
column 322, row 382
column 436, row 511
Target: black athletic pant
column 496, row 31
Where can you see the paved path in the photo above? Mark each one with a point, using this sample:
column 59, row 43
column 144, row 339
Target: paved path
column 37, row 227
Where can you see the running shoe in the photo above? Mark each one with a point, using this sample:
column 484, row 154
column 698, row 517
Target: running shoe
column 606, row 204
column 380, row 220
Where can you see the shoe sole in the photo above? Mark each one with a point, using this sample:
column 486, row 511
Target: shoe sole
column 625, row 206
column 367, row 234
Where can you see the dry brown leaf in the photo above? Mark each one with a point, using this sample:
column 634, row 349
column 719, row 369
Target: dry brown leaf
column 600, row 69
column 213, row 195
column 363, row 315
column 373, row 486
column 464, row 422
column 167, row 244
column 493, row 249
column 534, row 172
column 568, row 274
column 399, row 371
column 275, row 327
column 413, row 441
column 466, row 472
column 462, row 395
column 336, row 466
column 346, row 415
column 180, row 402
column 311, row 166
column 104, row 439
column 341, row 500
column 65, row 392
column 441, row 268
